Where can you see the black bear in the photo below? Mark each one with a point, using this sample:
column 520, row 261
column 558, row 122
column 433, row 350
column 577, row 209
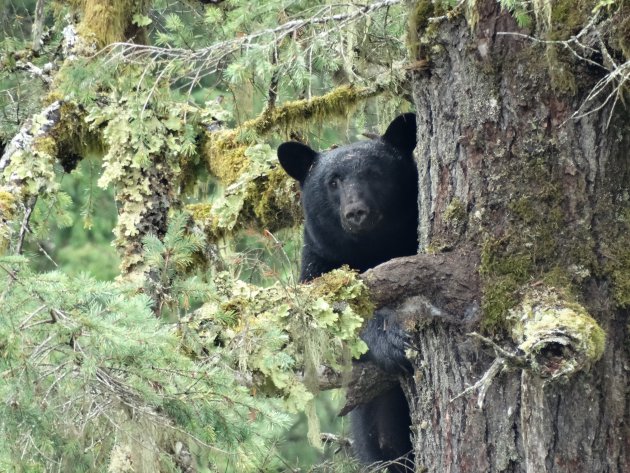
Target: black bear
column 360, row 209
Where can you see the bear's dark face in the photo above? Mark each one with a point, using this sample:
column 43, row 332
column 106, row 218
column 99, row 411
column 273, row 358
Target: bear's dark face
column 360, row 200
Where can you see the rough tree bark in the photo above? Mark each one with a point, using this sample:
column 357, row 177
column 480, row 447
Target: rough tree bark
column 537, row 203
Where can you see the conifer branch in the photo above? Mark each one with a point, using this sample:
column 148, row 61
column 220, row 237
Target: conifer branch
column 212, row 57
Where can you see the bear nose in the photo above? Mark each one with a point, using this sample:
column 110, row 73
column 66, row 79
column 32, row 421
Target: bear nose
column 356, row 214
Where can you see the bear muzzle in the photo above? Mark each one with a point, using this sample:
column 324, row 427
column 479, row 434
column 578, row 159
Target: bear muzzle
column 358, row 218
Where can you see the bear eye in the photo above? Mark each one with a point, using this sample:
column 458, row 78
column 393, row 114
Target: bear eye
column 334, row 182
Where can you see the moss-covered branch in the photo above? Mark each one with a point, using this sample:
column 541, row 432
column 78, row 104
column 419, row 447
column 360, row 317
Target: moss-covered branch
column 225, row 150
column 281, row 335
column 257, row 192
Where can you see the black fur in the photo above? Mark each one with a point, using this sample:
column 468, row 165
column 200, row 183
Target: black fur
column 360, row 208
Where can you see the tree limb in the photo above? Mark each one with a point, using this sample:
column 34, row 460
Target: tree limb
column 427, row 286
column 422, row 288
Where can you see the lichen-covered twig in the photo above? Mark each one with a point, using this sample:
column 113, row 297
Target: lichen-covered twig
column 21, row 179
column 34, row 128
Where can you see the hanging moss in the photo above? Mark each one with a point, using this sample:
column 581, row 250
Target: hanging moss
column 274, row 201
column 225, row 157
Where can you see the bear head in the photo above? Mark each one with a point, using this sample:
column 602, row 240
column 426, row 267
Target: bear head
column 359, row 200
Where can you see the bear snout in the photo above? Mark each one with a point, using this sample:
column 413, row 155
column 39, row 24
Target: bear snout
column 358, row 218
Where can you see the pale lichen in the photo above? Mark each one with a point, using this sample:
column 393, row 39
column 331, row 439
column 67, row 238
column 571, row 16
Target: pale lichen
column 284, row 333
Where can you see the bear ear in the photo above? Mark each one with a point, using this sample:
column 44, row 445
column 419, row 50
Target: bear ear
column 296, row 159
column 401, row 133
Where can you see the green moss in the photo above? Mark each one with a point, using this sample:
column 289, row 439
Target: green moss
column 7, row 203
column 455, row 211
column 45, row 145
column 336, row 103
column 8, row 208
column 560, row 70
column 618, row 260
column 343, row 286
column 523, row 209
column 568, row 17
column 206, row 220
column 499, row 296
column 620, row 274
column 200, row 212
column 225, row 157
column 110, row 21
column 417, row 24
column 499, row 259
column 275, row 201
column 620, row 29
column 537, row 243
column 420, row 31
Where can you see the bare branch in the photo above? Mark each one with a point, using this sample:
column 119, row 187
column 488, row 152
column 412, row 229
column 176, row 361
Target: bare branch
column 30, row 205
column 616, row 79
column 443, row 286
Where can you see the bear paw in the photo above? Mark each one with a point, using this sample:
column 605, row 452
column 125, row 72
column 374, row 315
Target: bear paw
column 387, row 342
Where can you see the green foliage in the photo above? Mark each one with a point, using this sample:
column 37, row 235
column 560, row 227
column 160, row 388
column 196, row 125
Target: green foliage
column 108, row 381
column 521, row 10
column 75, row 226
column 87, row 369
column 19, row 97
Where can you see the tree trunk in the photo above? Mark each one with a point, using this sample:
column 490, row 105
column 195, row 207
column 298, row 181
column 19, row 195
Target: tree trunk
column 541, row 198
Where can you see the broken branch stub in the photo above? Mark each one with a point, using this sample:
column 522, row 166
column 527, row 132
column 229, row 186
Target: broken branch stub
column 558, row 337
